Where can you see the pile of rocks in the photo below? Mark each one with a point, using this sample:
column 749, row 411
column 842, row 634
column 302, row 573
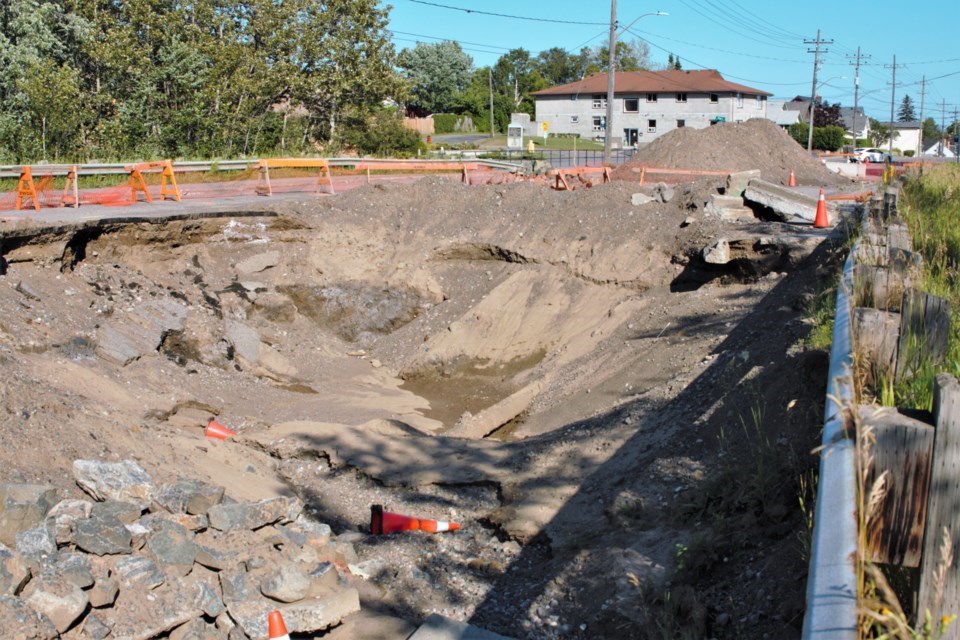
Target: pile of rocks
column 176, row 560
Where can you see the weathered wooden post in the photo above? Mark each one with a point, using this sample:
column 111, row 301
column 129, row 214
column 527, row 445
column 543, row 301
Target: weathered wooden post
column 939, row 574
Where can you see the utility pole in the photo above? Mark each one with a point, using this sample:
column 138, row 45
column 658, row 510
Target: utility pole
column 490, row 76
column 813, row 92
column 856, row 92
column 943, row 126
column 923, row 93
column 956, row 154
column 611, row 60
column 893, row 94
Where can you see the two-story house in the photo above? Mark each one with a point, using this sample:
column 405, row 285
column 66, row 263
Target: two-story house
column 647, row 104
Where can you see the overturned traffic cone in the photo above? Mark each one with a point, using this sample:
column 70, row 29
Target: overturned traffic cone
column 820, row 221
column 217, row 431
column 276, row 627
column 382, row 522
column 793, row 180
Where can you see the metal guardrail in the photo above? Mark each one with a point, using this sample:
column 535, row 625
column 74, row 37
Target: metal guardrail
column 832, row 582
column 13, row 171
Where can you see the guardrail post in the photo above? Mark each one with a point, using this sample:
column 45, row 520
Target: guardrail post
column 939, row 572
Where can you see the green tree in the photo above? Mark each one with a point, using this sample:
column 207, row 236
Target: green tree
column 906, row 112
column 556, row 66
column 515, row 75
column 931, row 131
column 674, row 62
column 53, row 101
column 879, row 132
column 436, row 72
column 632, row 55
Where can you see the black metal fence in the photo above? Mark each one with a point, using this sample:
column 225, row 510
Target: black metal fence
column 562, row 158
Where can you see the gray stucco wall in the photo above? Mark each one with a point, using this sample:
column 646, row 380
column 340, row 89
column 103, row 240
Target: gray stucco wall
column 575, row 114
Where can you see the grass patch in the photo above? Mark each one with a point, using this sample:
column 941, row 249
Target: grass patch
column 930, row 205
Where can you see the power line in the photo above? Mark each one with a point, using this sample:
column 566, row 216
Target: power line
column 736, row 53
column 504, row 15
column 703, row 66
column 715, row 17
column 477, row 44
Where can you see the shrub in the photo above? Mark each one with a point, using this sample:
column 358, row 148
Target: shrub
column 828, row 138
column 444, row 122
column 909, row 153
column 381, row 133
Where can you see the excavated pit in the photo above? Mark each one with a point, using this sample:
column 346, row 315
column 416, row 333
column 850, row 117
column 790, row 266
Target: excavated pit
column 510, row 357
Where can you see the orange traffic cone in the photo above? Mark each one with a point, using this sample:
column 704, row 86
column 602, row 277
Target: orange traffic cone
column 217, row 431
column 793, row 180
column 382, row 522
column 820, row 221
column 276, row 627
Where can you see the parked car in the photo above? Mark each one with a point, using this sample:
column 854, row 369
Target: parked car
column 864, row 154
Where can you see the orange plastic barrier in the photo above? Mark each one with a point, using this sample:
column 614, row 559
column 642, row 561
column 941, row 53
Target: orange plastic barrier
column 168, row 183
column 263, row 185
column 561, row 183
column 27, row 188
column 862, row 196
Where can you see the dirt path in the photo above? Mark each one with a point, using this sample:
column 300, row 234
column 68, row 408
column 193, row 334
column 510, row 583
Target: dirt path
column 649, row 415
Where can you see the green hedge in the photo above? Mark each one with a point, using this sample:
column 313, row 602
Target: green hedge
column 445, row 122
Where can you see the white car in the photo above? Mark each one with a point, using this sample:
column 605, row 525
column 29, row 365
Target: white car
column 872, row 155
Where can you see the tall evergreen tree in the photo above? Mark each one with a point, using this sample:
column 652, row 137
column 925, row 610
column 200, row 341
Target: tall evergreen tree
column 906, row 112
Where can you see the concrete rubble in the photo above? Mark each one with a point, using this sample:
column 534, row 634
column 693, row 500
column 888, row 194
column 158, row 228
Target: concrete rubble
column 177, row 560
column 784, row 203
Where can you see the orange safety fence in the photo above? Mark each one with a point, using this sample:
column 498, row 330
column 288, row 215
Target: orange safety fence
column 678, row 175
column 560, row 176
column 265, row 187
column 861, row 196
column 37, row 191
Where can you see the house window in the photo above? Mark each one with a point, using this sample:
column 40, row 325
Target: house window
column 681, row 124
column 599, row 101
column 651, row 97
column 574, row 119
column 598, row 124
column 714, row 98
column 739, row 101
column 760, row 103
column 651, row 125
column 631, row 105
column 681, row 97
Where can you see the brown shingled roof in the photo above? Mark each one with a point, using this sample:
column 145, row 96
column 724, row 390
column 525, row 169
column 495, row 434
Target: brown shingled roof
column 706, row 81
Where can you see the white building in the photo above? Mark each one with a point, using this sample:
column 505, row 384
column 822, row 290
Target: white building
column 647, row 104
column 906, row 136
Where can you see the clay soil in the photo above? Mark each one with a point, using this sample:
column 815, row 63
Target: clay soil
column 643, row 478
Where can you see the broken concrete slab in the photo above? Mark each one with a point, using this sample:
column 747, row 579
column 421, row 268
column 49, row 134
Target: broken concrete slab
column 785, row 204
column 729, row 209
column 437, row 627
column 640, row 199
column 315, row 614
column 14, row 572
column 737, row 182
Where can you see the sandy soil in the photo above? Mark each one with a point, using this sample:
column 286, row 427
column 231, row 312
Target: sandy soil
column 619, row 427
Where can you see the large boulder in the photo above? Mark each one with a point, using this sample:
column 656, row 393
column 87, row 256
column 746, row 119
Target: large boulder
column 23, row 507
column 124, row 481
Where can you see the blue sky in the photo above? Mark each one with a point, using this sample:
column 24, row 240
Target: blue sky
column 757, row 43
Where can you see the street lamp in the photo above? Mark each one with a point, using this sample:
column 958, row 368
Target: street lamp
column 607, row 141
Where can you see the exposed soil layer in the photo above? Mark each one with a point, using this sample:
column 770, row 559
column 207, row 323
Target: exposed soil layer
column 754, row 144
column 652, row 412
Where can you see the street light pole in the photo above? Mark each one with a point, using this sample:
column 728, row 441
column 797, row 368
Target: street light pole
column 611, row 58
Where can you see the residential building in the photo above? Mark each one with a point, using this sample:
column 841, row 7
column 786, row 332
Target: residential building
column 647, row 104
column 937, row 148
column 862, row 122
column 906, row 135
column 778, row 112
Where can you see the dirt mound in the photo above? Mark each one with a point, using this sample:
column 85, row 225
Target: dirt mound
column 754, row 144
